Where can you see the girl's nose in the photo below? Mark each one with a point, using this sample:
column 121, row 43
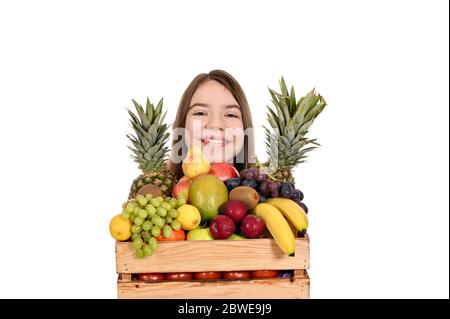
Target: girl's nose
column 215, row 122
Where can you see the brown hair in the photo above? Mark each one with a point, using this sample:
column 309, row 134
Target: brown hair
column 233, row 86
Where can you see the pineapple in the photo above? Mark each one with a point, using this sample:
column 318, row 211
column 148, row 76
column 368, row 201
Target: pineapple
column 290, row 120
column 149, row 148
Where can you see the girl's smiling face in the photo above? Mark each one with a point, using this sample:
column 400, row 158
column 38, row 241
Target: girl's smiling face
column 214, row 121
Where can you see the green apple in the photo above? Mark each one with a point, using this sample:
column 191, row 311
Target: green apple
column 199, row 234
column 236, row 237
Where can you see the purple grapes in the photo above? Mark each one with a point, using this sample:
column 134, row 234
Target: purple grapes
column 297, row 195
column 261, row 177
column 266, row 188
column 243, row 174
column 232, row 183
column 252, row 173
column 263, row 188
column 262, row 197
column 302, row 205
column 273, row 186
column 286, row 190
column 250, row 183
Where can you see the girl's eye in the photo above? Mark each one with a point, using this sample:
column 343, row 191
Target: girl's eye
column 232, row 115
column 199, row 113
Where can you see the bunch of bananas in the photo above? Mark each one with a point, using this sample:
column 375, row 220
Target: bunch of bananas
column 283, row 218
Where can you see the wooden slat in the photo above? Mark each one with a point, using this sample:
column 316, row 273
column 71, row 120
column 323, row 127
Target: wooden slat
column 246, row 289
column 214, row 255
column 300, row 273
column 124, row 277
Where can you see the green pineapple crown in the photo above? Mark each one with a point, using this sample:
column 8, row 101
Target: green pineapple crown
column 149, row 141
column 290, row 120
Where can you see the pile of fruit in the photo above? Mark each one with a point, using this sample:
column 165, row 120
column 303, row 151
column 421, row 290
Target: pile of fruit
column 213, row 201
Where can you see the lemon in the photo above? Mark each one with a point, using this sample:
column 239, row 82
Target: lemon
column 189, row 216
column 120, row 228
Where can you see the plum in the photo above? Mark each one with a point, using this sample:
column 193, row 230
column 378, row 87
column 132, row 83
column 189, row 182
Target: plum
column 252, row 226
column 234, row 209
column 222, row 227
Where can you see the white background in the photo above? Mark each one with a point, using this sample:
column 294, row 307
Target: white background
column 377, row 189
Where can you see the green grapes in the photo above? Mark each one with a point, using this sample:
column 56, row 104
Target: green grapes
column 151, row 217
column 130, row 207
column 134, row 236
column 173, row 213
column 167, row 231
column 141, row 200
column 151, row 210
column 161, row 211
column 138, row 242
column 181, row 201
column 147, row 250
column 138, row 221
column 155, row 202
column 166, row 206
column 147, row 225
column 173, row 202
column 156, row 231
column 139, row 253
column 153, row 243
column 146, row 235
column 175, row 225
column 143, row 214
column 135, row 229
column 158, row 221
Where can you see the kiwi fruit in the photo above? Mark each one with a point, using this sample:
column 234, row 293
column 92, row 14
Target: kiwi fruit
column 245, row 194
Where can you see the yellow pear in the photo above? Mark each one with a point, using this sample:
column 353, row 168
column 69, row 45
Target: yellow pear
column 195, row 162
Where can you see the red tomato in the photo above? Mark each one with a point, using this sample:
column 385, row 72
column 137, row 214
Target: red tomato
column 236, row 275
column 176, row 235
column 208, row 275
column 264, row 273
column 179, row 276
column 151, row 277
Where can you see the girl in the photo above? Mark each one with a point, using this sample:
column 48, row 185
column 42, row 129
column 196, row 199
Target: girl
column 213, row 113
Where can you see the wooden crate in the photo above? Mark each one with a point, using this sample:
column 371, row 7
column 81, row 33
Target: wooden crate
column 216, row 255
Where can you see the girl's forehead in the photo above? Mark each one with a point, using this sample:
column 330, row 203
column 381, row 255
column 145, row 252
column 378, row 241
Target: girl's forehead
column 212, row 92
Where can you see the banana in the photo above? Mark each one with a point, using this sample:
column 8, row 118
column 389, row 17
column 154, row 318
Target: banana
column 278, row 227
column 292, row 211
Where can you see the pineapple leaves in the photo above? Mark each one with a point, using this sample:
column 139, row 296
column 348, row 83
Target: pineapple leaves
column 271, row 117
column 149, row 110
column 285, row 110
column 292, row 102
column 158, row 111
column 290, row 120
column 283, row 87
column 144, row 120
column 133, row 119
column 315, row 109
column 150, row 135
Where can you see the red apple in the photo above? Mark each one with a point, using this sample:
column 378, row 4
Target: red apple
column 183, row 178
column 223, row 170
column 234, row 209
column 181, row 188
column 222, row 227
column 252, row 226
